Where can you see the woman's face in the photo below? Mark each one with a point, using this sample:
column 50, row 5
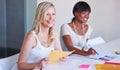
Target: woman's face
column 50, row 16
column 82, row 17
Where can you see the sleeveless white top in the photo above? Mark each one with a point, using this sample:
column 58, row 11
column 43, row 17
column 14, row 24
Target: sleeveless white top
column 77, row 40
column 38, row 52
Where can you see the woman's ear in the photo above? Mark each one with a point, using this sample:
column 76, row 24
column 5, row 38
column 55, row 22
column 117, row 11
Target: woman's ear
column 75, row 13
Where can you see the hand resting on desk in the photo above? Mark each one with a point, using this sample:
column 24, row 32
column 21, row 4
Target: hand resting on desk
column 43, row 62
column 92, row 51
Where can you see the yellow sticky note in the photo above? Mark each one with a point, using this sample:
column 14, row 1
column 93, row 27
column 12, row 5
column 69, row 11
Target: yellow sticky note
column 55, row 55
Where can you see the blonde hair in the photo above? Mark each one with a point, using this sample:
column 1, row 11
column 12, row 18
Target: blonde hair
column 39, row 18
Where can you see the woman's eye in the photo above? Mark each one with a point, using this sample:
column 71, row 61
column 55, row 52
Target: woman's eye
column 53, row 14
column 47, row 14
column 50, row 14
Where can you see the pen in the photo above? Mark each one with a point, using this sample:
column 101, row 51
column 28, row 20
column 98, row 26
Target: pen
column 97, row 53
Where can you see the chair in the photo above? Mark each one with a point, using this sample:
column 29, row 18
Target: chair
column 0, row 67
column 8, row 62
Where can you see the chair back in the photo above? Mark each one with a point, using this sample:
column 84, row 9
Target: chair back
column 8, row 62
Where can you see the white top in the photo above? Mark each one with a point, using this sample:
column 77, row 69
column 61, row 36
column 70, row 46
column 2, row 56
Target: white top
column 38, row 52
column 78, row 41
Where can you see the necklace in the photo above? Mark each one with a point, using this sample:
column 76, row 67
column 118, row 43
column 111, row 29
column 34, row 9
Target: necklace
column 81, row 43
column 75, row 29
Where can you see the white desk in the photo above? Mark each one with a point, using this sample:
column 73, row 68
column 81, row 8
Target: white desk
column 75, row 61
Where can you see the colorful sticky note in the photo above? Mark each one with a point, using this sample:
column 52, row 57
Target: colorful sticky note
column 84, row 67
column 55, row 55
column 113, row 63
column 107, row 67
column 117, row 52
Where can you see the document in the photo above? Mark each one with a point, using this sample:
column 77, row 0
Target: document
column 96, row 41
column 105, row 56
column 55, row 55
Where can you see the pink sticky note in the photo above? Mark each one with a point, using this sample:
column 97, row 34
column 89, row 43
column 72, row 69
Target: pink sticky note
column 84, row 67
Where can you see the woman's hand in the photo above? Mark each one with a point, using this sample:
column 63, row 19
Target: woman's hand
column 64, row 58
column 92, row 51
column 43, row 63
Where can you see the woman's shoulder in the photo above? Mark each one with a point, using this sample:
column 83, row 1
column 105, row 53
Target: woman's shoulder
column 30, row 39
column 30, row 35
column 66, row 29
column 64, row 25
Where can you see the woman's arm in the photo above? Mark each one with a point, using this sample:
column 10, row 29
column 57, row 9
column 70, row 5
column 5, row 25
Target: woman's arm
column 28, row 43
column 91, row 50
column 68, row 42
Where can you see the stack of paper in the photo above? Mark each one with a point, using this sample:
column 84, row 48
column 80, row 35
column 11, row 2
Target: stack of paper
column 55, row 55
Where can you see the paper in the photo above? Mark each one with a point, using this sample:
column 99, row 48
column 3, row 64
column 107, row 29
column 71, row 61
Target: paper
column 116, row 60
column 107, row 67
column 84, row 67
column 105, row 56
column 55, row 55
column 113, row 63
column 95, row 41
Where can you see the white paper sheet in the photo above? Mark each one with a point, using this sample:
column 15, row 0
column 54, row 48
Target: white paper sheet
column 104, row 55
column 95, row 41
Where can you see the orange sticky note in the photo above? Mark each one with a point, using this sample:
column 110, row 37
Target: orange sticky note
column 107, row 67
column 55, row 55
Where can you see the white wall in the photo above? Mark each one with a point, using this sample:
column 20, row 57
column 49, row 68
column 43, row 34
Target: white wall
column 104, row 17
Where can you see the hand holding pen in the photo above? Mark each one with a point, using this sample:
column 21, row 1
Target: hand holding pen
column 92, row 51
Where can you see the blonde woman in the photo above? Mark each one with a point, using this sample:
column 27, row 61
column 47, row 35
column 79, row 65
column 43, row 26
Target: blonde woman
column 40, row 40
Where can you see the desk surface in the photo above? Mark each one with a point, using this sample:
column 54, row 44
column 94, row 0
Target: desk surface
column 75, row 61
